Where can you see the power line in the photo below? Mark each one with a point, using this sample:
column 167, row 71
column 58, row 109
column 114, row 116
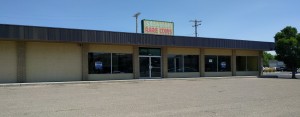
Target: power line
column 196, row 24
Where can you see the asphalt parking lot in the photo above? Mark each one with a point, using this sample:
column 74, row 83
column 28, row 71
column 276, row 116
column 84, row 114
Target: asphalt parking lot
column 193, row 97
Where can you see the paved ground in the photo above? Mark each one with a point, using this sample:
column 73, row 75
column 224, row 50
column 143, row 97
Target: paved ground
column 201, row 97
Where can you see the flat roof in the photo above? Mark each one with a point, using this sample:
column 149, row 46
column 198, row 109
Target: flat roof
column 50, row 34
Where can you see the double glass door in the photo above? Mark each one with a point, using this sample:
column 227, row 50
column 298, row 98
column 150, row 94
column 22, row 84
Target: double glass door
column 150, row 67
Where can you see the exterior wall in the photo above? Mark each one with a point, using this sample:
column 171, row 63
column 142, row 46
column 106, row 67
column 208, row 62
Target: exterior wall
column 111, row 49
column 164, row 60
column 217, row 74
column 63, row 61
column 218, row 52
column 233, row 63
column 8, row 62
column 183, row 51
column 247, row 53
column 95, row 77
column 202, row 62
column 46, row 62
column 184, row 75
column 247, row 73
column 136, row 63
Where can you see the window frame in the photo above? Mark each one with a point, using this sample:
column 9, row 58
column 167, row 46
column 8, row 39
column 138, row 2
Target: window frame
column 182, row 62
column 217, row 62
column 246, row 66
column 111, row 62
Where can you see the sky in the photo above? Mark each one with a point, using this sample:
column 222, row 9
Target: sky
column 257, row 20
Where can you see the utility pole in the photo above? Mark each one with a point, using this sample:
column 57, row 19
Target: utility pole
column 136, row 21
column 197, row 23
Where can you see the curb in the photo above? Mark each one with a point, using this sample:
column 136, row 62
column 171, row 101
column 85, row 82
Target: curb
column 114, row 81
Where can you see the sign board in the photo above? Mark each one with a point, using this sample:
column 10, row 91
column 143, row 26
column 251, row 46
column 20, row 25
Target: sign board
column 157, row 27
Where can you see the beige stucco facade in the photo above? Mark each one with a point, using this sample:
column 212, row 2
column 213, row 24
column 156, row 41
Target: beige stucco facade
column 124, row 76
column 8, row 62
column 247, row 53
column 48, row 62
column 247, row 73
column 110, row 48
column 218, row 52
column 183, row 51
column 184, row 75
column 217, row 74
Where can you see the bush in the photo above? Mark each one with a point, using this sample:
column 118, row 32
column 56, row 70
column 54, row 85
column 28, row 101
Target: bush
column 268, row 69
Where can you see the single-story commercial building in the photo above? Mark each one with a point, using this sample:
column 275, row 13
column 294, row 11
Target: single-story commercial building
column 44, row 54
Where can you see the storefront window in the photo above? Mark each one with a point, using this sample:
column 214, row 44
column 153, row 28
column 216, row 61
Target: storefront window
column 241, row 63
column 183, row 63
column 247, row 63
column 224, row 63
column 108, row 63
column 211, row 64
column 252, row 63
column 175, row 63
column 121, row 63
column 191, row 63
column 217, row 63
column 99, row 63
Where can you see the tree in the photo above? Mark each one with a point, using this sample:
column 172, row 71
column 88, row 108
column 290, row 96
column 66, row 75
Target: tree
column 287, row 47
column 266, row 58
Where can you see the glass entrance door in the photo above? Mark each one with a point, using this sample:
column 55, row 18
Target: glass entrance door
column 155, row 70
column 150, row 67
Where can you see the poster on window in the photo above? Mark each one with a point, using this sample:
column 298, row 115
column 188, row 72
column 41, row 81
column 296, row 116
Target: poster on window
column 223, row 65
column 98, row 65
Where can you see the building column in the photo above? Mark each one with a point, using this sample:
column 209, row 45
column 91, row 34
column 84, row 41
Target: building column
column 21, row 62
column 202, row 62
column 136, row 66
column 85, row 66
column 165, row 62
column 260, row 63
column 233, row 63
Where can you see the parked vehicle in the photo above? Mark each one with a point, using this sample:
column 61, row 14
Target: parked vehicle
column 280, row 69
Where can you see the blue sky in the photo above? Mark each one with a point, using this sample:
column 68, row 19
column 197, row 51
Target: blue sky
column 257, row 20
